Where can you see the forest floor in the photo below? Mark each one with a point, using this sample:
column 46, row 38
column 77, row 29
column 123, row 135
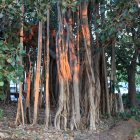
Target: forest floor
column 109, row 129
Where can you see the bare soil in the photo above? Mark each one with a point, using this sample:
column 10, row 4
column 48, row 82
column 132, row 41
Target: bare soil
column 107, row 130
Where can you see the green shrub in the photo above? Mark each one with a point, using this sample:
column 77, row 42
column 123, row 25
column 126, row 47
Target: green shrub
column 126, row 100
column 133, row 113
column 125, row 115
column 137, row 132
column 1, row 113
column 2, row 97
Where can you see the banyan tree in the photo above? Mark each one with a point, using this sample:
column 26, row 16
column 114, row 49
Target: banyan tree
column 65, row 66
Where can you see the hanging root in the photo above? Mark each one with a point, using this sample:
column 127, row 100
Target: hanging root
column 60, row 109
column 28, row 115
column 73, row 121
column 61, row 115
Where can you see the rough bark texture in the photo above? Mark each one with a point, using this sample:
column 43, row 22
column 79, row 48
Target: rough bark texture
column 47, row 72
column 132, row 86
column 132, row 80
column 20, row 102
column 89, row 70
column 28, row 115
column 104, row 86
column 75, row 70
column 64, row 73
column 37, row 80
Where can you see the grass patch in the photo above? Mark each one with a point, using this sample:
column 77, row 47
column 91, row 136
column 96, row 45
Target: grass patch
column 137, row 132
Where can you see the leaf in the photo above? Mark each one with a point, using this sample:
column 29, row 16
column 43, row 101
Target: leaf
column 1, row 83
column 64, row 3
column 74, row 9
column 98, row 21
column 1, row 42
column 23, row 52
column 1, row 15
column 33, row 14
column 9, row 60
column 10, row 6
column 63, row 10
column 2, row 97
column 17, row 58
column 98, row 31
column 5, row 48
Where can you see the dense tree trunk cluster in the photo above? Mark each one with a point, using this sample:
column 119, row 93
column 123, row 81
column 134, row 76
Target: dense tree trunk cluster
column 69, row 72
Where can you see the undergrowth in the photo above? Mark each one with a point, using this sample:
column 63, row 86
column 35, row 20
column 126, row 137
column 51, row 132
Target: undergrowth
column 133, row 113
column 137, row 132
column 1, row 113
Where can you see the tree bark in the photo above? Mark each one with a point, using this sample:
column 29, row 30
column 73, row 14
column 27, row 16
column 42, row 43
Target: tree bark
column 132, row 86
column 75, row 68
column 89, row 70
column 113, row 70
column 47, row 72
column 64, row 73
column 20, row 102
column 28, row 115
column 37, row 80
column 131, row 70
column 105, row 84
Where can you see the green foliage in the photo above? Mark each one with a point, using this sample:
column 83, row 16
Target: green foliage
column 125, row 115
column 1, row 113
column 133, row 113
column 69, row 4
column 125, row 100
column 1, row 83
column 2, row 96
column 10, row 49
column 10, row 68
column 120, row 21
column 137, row 132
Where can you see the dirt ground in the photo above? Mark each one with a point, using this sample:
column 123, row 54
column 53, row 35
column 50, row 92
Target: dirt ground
column 107, row 130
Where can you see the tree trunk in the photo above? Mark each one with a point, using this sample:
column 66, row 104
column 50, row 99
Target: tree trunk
column 113, row 70
column 121, row 107
column 32, row 85
column 132, row 86
column 132, row 80
column 88, row 60
column 28, row 115
column 47, row 60
column 113, row 101
column 64, row 73
column 75, row 68
column 20, row 103
column 105, row 84
column 97, row 57
column 37, row 80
